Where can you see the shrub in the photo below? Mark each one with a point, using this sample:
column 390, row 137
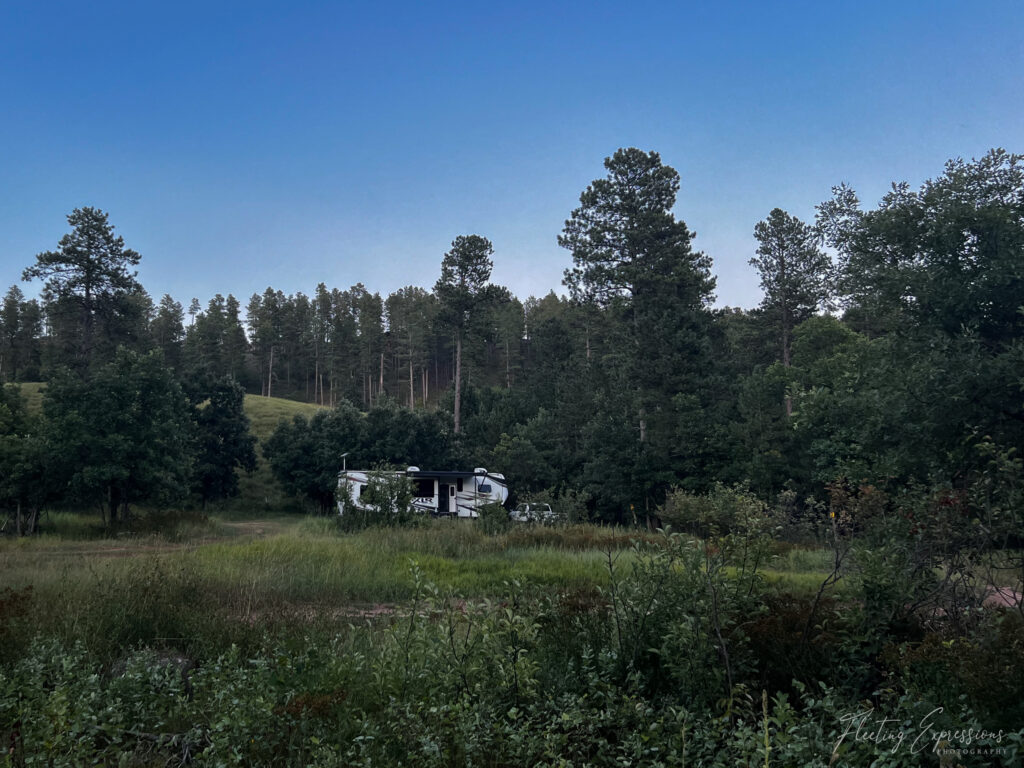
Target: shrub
column 722, row 510
column 493, row 518
column 387, row 500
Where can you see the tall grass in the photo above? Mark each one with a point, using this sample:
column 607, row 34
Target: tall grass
column 373, row 566
column 229, row 580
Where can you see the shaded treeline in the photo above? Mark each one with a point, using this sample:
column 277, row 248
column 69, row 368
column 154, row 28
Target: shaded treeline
column 633, row 384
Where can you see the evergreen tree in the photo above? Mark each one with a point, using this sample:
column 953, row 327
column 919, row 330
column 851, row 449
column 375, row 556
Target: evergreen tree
column 168, row 331
column 89, row 280
column 26, row 482
column 461, row 291
column 265, row 320
column 633, row 260
column 10, row 330
column 234, row 344
column 224, row 443
column 410, row 313
column 122, row 436
column 794, row 274
column 368, row 309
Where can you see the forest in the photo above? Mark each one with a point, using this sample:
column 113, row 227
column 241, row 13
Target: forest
column 886, row 350
column 867, row 417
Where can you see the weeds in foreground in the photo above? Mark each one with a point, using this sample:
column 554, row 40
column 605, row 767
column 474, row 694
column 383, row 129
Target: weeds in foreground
column 449, row 680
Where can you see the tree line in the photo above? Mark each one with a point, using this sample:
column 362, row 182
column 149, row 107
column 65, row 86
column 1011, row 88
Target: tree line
column 886, row 350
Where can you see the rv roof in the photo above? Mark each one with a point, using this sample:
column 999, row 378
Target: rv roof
column 430, row 473
column 433, row 473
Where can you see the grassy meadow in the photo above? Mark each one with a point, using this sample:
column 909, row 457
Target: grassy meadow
column 283, row 640
column 293, row 568
column 253, row 634
column 258, row 546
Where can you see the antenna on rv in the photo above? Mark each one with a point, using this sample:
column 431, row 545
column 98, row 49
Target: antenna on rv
column 344, row 472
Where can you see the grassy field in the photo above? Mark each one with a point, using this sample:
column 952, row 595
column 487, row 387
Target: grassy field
column 205, row 585
column 292, row 567
column 283, row 640
column 298, row 559
column 266, row 412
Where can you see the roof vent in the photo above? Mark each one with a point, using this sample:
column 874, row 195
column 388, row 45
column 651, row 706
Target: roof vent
column 412, row 469
column 479, row 471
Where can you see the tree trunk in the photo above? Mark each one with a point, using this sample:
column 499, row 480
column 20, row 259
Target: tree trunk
column 270, row 373
column 87, row 323
column 458, row 381
column 641, row 408
column 785, row 355
column 113, row 502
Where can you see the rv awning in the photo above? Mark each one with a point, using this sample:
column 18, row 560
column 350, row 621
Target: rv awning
column 428, row 473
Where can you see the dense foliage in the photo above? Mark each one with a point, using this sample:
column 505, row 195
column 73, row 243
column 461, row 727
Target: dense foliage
column 633, row 385
column 883, row 443
column 683, row 653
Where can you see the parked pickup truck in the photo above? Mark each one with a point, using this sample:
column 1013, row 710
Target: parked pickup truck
column 533, row 513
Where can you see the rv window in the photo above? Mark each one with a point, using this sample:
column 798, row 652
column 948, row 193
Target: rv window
column 485, row 488
column 423, row 488
column 451, row 490
column 360, row 489
column 459, row 484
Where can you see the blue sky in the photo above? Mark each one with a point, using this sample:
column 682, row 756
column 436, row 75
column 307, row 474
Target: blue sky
column 241, row 145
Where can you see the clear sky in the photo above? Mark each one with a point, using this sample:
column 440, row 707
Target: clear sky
column 241, row 145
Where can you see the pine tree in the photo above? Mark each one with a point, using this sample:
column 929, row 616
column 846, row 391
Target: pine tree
column 168, row 331
column 462, row 290
column 794, row 273
column 88, row 280
column 633, row 261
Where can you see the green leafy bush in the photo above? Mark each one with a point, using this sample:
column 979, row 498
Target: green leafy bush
column 387, row 500
column 493, row 518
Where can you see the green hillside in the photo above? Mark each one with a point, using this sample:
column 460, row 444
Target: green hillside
column 259, row 492
column 32, row 391
column 266, row 412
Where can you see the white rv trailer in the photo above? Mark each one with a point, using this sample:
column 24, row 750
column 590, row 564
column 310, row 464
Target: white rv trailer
column 440, row 493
